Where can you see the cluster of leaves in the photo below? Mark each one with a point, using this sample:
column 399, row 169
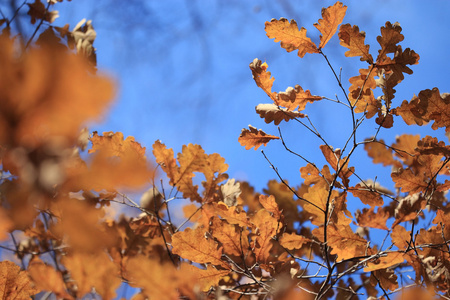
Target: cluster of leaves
column 57, row 202
column 349, row 260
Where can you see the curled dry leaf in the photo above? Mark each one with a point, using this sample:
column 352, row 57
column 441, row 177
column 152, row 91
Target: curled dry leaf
column 253, row 137
column 230, row 191
column 332, row 16
column 276, row 114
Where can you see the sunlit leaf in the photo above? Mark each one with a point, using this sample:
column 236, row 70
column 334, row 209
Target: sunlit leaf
column 253, row 137
column 14, row 283
column 353, row 39
column 290, row 37
column 331, row 18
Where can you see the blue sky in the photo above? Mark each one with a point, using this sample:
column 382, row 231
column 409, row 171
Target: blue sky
column 182, row 73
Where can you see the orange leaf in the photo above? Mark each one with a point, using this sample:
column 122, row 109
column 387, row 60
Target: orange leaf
column 93, row 270
column 368, row 218
column 317, row 197
column 46, row 278
column 204, row 278
column 276, row 114
column 232, row 214
column 295, row 98
column 400, row 237
column 361, row 92
column 384, row 262
column 332, row 17
column 262, row 77
column 335, row 160
column 253, row 137
column 165, row 158
column 292, row 241
column 343, row 241
column 386, row 278
column 193, row 245
column 290, row 37
column 233, row 240
column 269, row 203
column 380, row 153
column 366, row 195
column 408, row 181
column 159, row 281
column 430, row 105
column 266, row 227
column 14, row 283
column 353, row 39
column 47, row 93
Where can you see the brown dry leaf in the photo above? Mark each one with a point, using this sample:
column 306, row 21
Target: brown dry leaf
column 409, row 182
column 343, row 241
column 290, row 37
column 370, row 218
column 430, row 105
column 263, row 78
column 204, row 278
column 295, row 98
column 367, row 196
column 292, row 241
column 333, row 157
column 253, row 137
column 47, row 94
column 38, row 11
column 390, row 37
column 233, row 240
column 79, row 225
column 332, row 17
column 93, row 270
column 232, row 214
column 380, row 153
column 311, row 174
column 276, row 114
column 416, row 293
column 361, row 92
column 192, row 244
column 409, row 208
column 386, row 278
column 158, row 281
column 406, row 145
column 317, row 197
column 165, row 158
column 5, row 223
column 269, row 203
column 384, row 262
column 46, row 278
column 400, row 237
column 14, row 283
column 266, row 228
column 353, row 39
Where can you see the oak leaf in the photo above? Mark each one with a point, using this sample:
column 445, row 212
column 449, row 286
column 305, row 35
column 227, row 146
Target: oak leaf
column 388, row 40
column 386, row 278
column 379, row 153
column 93, row 271
column 366, row 195
column 263, row 78
column 430, row 105
column 290, row 37
column 361, row 92
column 276, row 114
column 205, row 278
column 332, row 17
column 269, row 203
column 344, row 242
column 408, row 208
column 333, row 157
column 408, row 181
column 233, row 240
column 292, row 241
column 253, row 137
column 384, row 262
column 353, row 39
column 14, row 283
column 266, row 227
column 296, row 98
column 230, row 191
column 158, row 280
column 192, row 244
column 46, row 278
column 370, row 218
column 318, row 198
